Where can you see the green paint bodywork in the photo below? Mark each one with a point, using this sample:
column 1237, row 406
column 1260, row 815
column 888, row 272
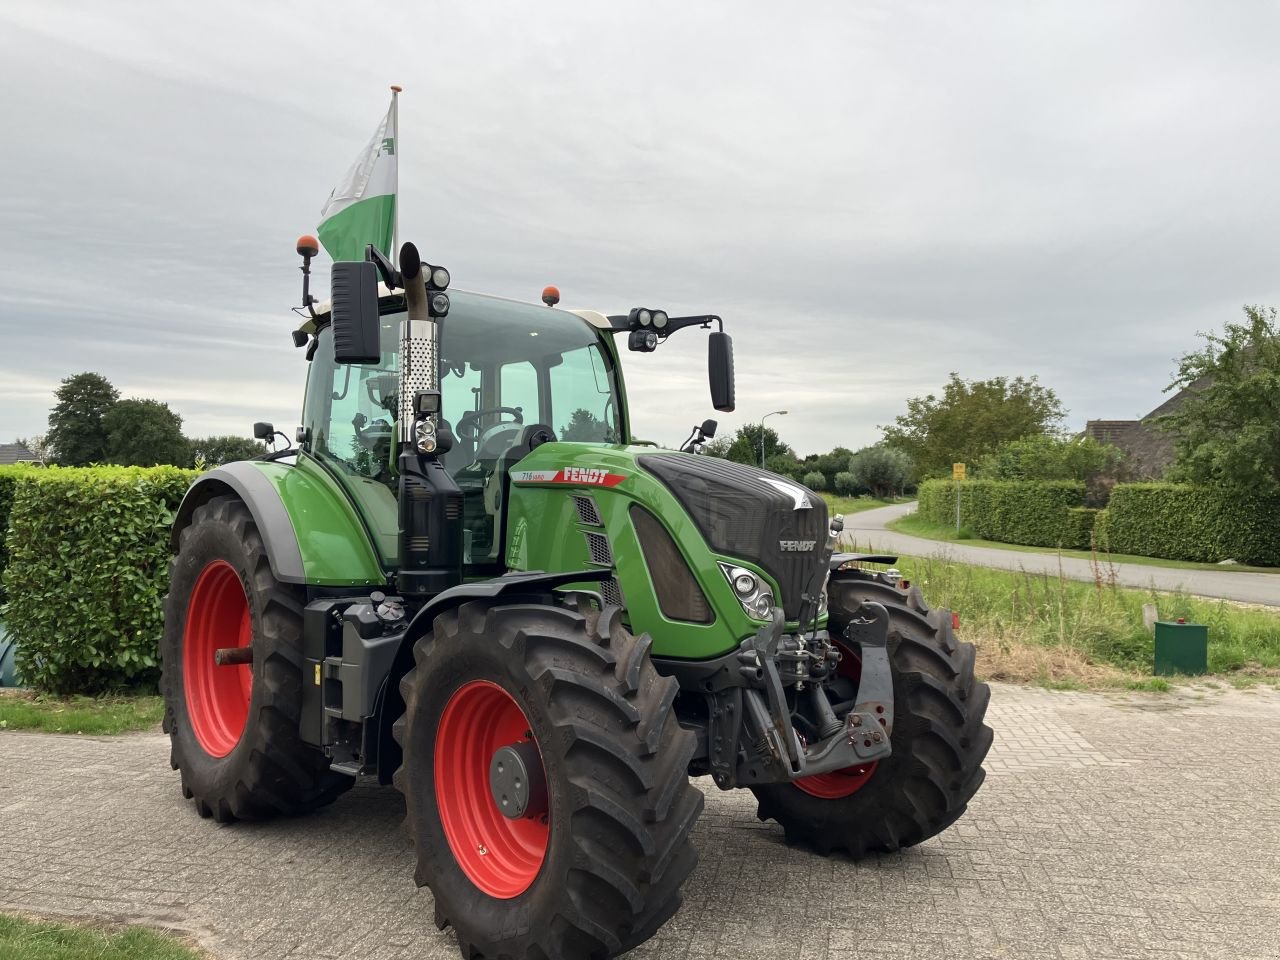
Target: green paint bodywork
column 544, row 533
column 335, row 545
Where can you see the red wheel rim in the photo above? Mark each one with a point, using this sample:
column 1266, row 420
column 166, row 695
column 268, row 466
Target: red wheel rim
column 501, row 856
column 217, row 697
column 839, row 784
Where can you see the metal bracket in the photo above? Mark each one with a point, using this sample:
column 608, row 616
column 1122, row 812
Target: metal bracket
column 870, row 723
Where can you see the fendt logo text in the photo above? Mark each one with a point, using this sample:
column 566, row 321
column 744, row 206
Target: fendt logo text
column 797, row 546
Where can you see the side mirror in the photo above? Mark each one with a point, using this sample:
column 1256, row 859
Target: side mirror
column 708, row 428
column 353, row 292
column 720, row 370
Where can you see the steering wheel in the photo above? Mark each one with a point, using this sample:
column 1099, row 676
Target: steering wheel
column 468, row 426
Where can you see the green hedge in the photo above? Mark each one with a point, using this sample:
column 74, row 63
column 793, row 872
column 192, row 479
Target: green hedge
column 1193, row 523
column 8, row 484
column 1079, row 528
column 1032, row 512
column 87, row 573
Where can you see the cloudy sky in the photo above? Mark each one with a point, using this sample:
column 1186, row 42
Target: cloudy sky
column 871, row 194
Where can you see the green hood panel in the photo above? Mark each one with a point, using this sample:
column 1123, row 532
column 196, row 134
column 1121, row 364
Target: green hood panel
column 545, row 532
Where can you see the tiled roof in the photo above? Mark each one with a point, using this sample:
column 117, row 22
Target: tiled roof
column 14, row 453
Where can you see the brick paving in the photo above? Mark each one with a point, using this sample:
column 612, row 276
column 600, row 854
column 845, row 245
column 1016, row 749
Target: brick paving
column 1111, row 826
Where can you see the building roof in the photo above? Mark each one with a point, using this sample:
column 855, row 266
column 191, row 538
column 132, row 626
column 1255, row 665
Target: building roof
column 15, row 453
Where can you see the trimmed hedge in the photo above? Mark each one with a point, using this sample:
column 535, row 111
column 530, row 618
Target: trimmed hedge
column 1193, row 523
column 88, row 570
column 8, row 484
column 1031, row 512
column 1079, row 528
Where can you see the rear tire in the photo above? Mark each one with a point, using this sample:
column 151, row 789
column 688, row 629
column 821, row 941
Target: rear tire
column 939, row 738
column 233, row 730
column 605, row 870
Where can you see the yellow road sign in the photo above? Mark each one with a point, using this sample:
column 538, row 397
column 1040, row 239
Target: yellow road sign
column 957, row 471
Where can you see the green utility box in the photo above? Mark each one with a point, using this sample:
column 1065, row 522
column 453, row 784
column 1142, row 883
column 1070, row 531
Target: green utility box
column 1181, row 648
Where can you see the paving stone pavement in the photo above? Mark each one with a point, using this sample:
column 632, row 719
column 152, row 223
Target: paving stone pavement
column 1111, row 826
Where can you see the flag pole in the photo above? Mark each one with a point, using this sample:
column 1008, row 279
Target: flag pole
column 395, row 204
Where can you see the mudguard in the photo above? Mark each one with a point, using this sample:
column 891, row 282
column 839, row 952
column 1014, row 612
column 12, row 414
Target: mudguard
column 311, row 532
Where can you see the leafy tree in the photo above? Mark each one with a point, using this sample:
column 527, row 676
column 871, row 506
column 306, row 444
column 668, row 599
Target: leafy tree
column 785, row 465
column 1048, row 457
column 845, row 484
column 76, row 432
column 829, row 464
column 215, row 451
column 814, row 480
column 971, row 419
column 883, row 471
column 585, row 427
column 719, row 447
column 745, row 447
column 1227, row 428
column 144, row 433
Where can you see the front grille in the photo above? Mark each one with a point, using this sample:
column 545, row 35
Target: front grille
column 747, row 513
column 679, row 596
column 598, row 549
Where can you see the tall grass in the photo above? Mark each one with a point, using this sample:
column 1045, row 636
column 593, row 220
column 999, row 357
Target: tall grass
column 1043, row 626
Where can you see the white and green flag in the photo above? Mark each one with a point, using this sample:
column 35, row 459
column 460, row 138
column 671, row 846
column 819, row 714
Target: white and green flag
column 362, row 207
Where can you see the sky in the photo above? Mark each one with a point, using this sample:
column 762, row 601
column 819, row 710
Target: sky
column 872, row 195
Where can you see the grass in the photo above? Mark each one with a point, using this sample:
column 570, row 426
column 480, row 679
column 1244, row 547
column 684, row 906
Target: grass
column 1050, row 630
column 22, row 710
column 846, row 505
column 27, row 939
column 918, row 527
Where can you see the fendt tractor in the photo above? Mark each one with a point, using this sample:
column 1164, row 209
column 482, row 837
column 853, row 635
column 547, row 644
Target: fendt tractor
column 468, row 579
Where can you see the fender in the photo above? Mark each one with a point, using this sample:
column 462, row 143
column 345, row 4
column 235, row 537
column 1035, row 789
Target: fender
column 509, row 588
column 311, row 533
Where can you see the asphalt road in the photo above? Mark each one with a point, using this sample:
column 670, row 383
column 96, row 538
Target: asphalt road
column 1111, row 827
column 866, row 530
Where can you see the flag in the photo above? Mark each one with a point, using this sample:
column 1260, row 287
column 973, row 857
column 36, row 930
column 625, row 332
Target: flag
column 362, row 207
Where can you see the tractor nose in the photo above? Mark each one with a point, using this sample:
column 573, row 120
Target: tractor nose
column 517, row 781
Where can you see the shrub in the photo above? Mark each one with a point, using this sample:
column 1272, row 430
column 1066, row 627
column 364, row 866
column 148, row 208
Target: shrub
column 1051, row 458
column 1033, row 512
column 88, row 568
column 1193, row 523
column 846, row 485
column 814, row 480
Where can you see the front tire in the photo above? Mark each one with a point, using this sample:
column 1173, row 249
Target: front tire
column 939, row 739
column 595, row 866
column 234, row 729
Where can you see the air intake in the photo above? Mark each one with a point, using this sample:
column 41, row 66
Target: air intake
column 588, row 512
column 679, row 596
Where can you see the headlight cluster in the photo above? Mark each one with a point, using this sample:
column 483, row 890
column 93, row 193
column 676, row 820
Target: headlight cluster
column 424, row 432
column 752, row 592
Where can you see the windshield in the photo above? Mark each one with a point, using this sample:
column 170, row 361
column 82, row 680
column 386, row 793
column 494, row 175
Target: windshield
column 546, row 364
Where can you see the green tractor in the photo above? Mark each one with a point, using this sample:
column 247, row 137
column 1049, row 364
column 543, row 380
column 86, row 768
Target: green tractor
column 469, row 580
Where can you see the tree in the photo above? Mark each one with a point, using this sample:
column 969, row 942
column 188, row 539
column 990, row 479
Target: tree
column 814, row 480
column 719, row 447
column 215, row 451
column 845, row 484
column 971, row 419
column 144, row 433
column 1051, row 458
column 1227, row 428
column 746, row 445
column 76, row 433
column 881, row 470
column 585, row 427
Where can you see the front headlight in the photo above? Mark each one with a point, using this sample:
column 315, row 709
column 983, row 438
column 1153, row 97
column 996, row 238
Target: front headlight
column 752, row 592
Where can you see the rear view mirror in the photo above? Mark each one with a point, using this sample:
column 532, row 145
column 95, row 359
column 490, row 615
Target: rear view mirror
column 353, row 294
column 708, row 428
column 720, row 370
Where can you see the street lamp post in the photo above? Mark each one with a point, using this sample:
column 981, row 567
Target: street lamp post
column 781, row 413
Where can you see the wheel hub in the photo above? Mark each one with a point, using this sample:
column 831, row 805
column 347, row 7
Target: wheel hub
column 517, row 781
